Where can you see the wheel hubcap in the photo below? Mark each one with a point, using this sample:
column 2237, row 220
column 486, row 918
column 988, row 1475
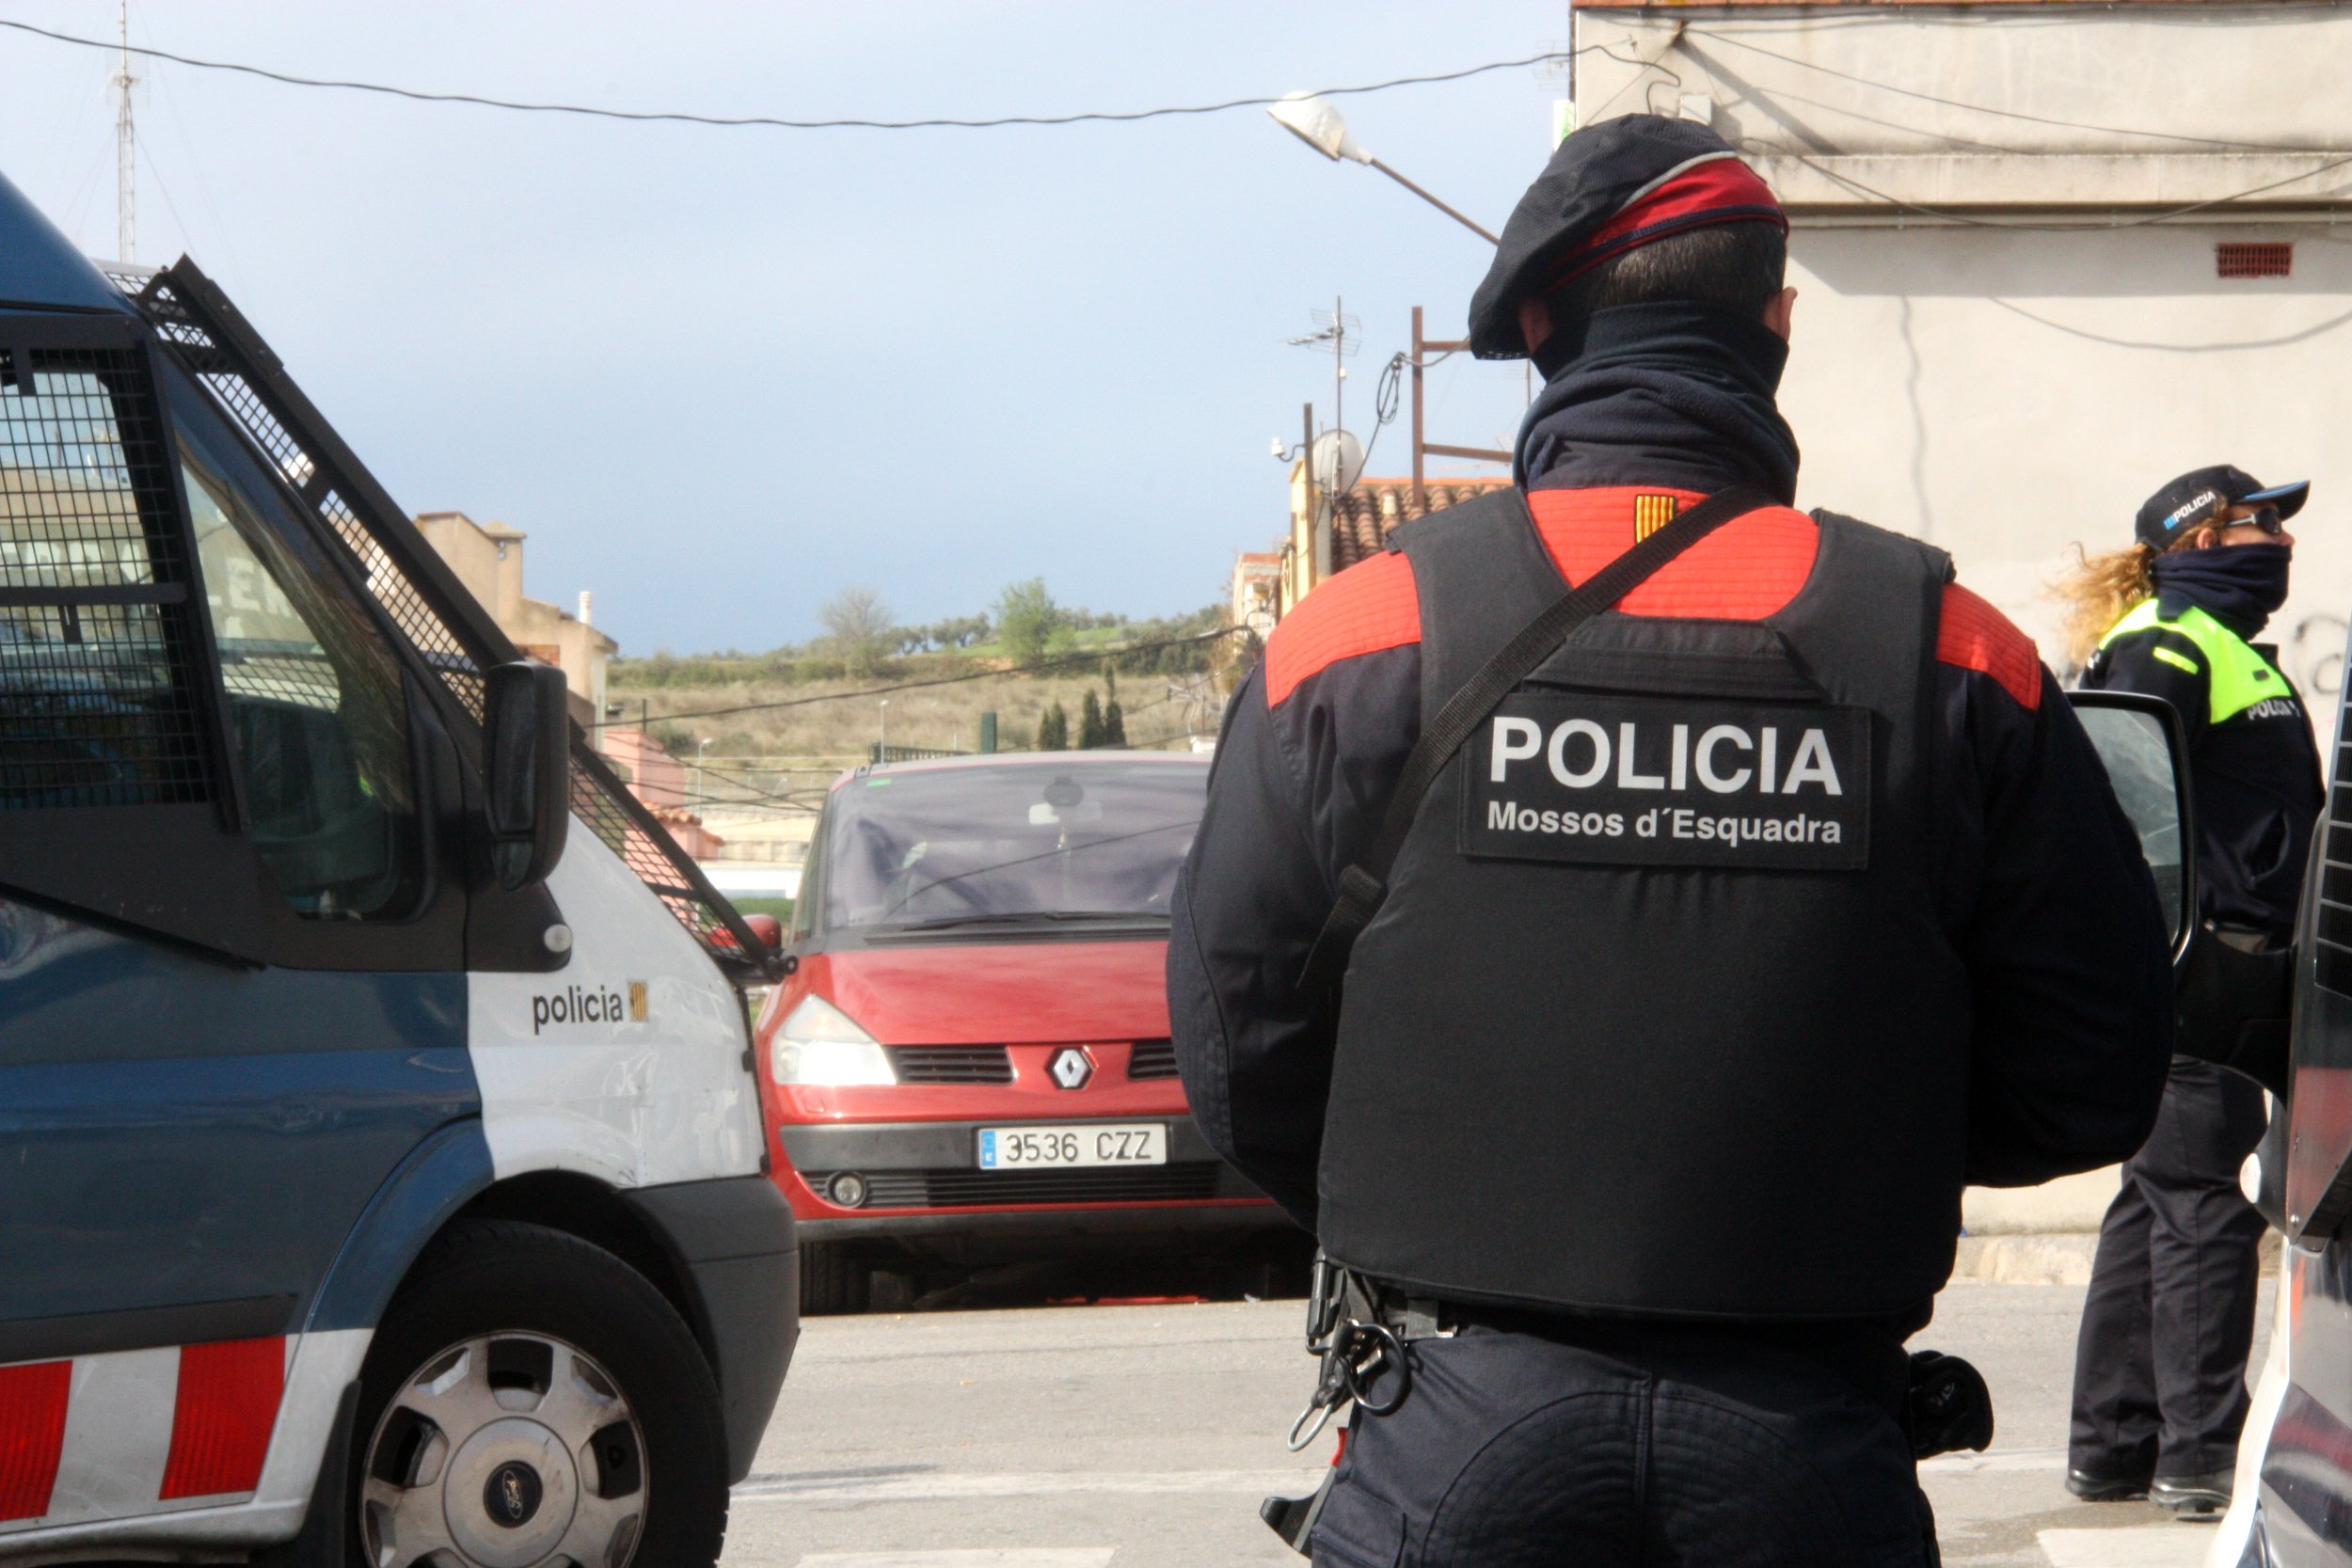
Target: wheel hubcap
column 509, row 1451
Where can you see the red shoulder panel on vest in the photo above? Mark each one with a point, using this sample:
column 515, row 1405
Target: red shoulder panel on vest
column 1370, row 605
column 1743, row 571
column 1973, row 635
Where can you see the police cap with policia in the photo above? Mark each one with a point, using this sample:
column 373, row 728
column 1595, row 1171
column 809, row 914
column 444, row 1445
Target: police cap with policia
column 2160, row 1365
column 1628, row 911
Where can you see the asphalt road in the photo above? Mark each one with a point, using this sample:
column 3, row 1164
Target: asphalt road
column 1142, row 1437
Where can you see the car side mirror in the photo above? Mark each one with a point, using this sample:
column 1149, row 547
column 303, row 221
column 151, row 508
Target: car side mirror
column 767, row 929
column 2140, row 740
column 526, row 765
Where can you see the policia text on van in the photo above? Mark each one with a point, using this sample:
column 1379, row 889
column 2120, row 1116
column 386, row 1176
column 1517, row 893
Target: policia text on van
column 325, row 1233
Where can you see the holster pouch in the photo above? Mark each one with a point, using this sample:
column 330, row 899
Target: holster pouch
column 2233, row 1002
column 1294, row 1518
column 1949, row 1406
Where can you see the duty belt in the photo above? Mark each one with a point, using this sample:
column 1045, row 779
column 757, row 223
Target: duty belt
column 1359, row 1329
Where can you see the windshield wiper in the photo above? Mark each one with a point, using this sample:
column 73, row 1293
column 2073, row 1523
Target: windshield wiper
column 1094, row 917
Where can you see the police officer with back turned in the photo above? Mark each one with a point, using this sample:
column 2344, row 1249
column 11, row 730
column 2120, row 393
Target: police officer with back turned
column 1627, row 912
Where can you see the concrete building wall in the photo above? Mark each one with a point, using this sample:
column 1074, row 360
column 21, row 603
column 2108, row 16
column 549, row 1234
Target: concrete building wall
column 488, row 558
column 2006, row 333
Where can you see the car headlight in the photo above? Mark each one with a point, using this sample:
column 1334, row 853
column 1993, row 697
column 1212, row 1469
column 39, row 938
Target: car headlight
column 818, row 1044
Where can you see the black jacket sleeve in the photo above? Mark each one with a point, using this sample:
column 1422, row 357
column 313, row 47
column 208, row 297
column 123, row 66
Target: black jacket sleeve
column 1291, row 799
column 2063, row 937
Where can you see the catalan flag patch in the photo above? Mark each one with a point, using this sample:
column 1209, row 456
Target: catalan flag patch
column 1652, row 512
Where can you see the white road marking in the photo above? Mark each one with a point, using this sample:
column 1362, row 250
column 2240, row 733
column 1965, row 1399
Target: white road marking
column 1994, row 1460
column 954, row 1485
column 1054, row 1556
column 2139, row 1546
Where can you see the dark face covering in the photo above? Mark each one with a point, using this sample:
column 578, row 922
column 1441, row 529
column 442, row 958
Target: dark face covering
column 1669, row 394
column 2238, row 585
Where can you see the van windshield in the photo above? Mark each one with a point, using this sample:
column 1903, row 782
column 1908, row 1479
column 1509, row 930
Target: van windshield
column 1025, row 843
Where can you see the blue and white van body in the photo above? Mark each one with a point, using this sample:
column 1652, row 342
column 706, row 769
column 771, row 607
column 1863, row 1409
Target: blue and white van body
column 268, row 1026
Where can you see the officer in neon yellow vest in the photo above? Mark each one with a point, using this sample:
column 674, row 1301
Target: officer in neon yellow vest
column 2160, row 1369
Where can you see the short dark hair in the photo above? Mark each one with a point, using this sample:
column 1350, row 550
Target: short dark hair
column 1738, row 265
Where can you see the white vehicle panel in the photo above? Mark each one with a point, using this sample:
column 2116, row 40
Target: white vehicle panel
column 117, row 1437
column 628, row 1064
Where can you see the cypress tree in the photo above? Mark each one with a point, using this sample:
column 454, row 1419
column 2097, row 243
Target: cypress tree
column 1053, row 729
column 1114, row 724
column 1090, row 723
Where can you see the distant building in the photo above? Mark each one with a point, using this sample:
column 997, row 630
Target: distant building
column 653, row 776
column 1257, row 589
column 1330, row 533
column 488, row 560
column 659, row 782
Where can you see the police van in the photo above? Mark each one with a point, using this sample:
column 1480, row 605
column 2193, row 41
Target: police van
column 381, row 1173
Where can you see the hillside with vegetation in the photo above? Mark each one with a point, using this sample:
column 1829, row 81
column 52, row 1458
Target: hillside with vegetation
column 1036, row 664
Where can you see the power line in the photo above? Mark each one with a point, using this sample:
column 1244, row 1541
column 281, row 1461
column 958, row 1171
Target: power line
column 1981, row 109
column 1058, row 661
column 2304, row 335
column 1970, row 220
column 769, row 121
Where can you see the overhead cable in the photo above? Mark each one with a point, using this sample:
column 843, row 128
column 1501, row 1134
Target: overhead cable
column 1987, row 108
column 770, row 122
column 2316, row 329
column 1971, row 220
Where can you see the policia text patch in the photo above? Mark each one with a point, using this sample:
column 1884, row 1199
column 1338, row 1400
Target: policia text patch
column 1669, row 780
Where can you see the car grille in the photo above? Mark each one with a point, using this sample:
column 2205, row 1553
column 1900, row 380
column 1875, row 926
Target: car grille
column 973, row 1189
column 951, row 1064
column 2332, row 931
column 1153, row 1059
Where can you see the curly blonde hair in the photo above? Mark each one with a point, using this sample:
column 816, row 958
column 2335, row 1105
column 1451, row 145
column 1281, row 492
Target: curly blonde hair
column 2097, row 593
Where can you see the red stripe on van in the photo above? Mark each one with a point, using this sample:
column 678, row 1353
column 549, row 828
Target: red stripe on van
column 222, row 1420
column 33, row 1401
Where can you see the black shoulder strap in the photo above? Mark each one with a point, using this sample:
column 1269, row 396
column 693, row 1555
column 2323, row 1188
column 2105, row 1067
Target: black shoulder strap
column 1364, row 884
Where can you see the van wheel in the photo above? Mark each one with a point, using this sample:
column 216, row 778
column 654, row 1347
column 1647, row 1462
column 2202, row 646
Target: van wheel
column 529, row 1399
column 833, row 1279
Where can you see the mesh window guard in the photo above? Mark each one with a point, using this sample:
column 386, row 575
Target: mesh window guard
column 454, row 635
column 96, row 695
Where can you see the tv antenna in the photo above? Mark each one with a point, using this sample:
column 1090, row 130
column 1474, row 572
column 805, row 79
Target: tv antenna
column 1342, row 334
column 126, row 148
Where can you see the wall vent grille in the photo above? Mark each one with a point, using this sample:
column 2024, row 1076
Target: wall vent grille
column 2254, row 259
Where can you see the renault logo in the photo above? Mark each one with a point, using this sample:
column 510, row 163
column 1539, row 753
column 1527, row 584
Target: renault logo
column 1071, row 1068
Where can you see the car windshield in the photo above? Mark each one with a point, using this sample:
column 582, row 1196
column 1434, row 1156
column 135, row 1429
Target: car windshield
column 1026, row 842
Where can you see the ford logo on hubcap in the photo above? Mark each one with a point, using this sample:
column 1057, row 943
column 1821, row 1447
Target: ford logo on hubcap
column 513, row 1493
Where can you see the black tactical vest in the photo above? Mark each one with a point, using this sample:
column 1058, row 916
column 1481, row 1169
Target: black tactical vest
column 1657, row 1017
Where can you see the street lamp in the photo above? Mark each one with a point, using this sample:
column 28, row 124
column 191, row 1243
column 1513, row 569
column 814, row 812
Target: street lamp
column 701, row 795
column 882, row 752
column 1314, row 122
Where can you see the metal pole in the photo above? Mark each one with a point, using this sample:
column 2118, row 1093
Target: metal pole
column 1434, row 202
column 1421, row 495
column 885, row 731
column 126, row 150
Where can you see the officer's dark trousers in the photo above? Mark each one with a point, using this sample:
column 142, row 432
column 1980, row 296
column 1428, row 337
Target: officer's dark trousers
column 1713, row 1448
column 2160, row 1364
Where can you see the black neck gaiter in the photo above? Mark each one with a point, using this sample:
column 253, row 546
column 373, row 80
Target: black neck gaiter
column 2238, row 585
column 1675, row 395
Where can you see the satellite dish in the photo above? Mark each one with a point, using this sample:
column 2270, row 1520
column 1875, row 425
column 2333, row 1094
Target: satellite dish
column 1336, row 461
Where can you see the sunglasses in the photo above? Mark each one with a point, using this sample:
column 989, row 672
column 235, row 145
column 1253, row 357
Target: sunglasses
column 2265, row 518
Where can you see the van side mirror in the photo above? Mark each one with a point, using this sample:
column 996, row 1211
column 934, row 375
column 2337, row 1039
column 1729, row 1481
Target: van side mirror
column 526, row 765
column 2140, row 740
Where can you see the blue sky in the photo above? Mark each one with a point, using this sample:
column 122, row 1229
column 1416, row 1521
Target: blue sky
column 716, row 374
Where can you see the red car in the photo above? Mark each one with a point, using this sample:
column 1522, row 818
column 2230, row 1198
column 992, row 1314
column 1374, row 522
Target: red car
column 969, row 1062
